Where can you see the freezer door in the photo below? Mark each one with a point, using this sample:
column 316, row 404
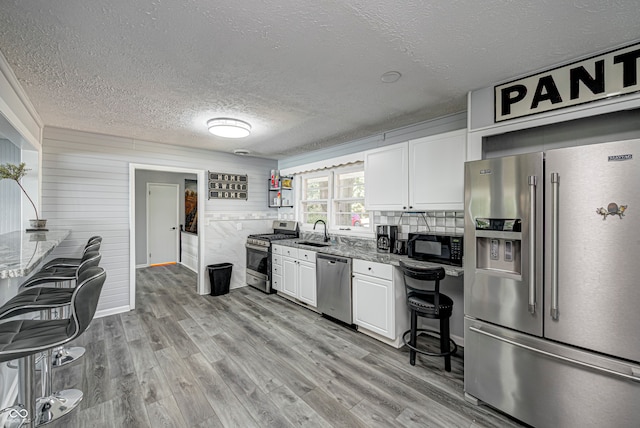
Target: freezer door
column 592, row 288
column 546, row 384
column 503, row 270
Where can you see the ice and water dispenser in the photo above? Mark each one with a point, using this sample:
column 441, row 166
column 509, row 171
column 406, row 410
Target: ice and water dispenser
column 498, row 245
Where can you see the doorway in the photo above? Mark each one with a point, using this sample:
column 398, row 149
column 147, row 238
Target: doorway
column 162, row 223
column 200, row 175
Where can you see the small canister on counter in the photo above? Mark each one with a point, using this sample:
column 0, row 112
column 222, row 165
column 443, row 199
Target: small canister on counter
column 400, row 247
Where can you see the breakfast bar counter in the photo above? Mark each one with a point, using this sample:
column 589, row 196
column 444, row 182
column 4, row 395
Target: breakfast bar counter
column 21, row 252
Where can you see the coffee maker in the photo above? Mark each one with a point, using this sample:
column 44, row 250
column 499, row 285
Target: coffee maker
column 386, row 236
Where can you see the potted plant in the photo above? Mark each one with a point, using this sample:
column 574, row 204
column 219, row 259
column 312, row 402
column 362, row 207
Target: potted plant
column 15, row 173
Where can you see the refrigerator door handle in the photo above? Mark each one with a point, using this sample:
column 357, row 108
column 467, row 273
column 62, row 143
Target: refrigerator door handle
column 555, row 182
column 632, row 377
column 532, row 244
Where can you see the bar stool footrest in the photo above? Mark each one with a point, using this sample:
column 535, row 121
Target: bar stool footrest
column 49, row 409
column 66, row 356
column 432, row 334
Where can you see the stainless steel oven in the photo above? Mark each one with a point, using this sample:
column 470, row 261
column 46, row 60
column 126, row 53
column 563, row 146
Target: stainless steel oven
column 258, row 267
column 258, row 247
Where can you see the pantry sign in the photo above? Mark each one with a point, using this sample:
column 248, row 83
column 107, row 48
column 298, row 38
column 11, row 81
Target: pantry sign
column 611, row 74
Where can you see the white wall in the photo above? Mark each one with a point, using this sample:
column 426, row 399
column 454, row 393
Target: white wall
column 86, row 189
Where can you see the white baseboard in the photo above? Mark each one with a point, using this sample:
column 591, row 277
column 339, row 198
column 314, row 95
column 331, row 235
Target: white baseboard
column 142, row 266
column 188, row 267
column 112, row 311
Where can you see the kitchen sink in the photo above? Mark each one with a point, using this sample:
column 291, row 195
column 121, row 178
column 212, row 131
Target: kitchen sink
column 313, row 243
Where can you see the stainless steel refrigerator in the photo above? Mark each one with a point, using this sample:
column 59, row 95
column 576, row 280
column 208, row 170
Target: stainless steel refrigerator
column 552, row 285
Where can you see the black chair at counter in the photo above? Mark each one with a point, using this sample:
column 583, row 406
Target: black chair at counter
column 61, row 275
column 424, row 299
column 93, row 244
column 25, row 338
column 58, row 276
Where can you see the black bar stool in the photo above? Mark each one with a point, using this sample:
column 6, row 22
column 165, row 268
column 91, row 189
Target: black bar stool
column 25, row 338
column 424, row 299
column 58, row 276
column 61, row 274
column 93, row 244
column 44, row 300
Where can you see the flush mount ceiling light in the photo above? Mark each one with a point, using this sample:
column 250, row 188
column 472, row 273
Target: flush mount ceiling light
column 229, row 128
column 390, row 76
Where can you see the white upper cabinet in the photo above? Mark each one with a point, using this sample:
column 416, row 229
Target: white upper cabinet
column 386, row 178
column 422, row 174
column 436, row 171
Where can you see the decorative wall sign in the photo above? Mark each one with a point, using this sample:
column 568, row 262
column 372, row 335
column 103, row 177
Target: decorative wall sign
column 611, row 74
column 227, row 186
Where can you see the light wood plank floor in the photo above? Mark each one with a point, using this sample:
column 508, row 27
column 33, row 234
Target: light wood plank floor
column 248, row 359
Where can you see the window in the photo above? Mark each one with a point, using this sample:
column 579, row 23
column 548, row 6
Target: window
column 315, row 198
column 348, row 201
column 335, row 196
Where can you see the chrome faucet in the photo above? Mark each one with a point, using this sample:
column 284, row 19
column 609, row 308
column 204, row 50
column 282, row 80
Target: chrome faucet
column 326, row 237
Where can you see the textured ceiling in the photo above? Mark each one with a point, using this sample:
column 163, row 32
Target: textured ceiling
column 304, row 73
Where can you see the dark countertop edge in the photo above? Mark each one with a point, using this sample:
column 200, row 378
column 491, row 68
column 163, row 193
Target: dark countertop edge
column 24, row 269
column 367, row 255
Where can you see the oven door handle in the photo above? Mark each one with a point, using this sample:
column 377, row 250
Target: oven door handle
column 258, row 248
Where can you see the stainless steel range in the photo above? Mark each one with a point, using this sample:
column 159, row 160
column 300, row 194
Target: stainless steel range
column 259, row 253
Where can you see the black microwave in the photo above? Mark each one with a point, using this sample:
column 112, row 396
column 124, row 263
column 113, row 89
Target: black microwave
column 430, row 247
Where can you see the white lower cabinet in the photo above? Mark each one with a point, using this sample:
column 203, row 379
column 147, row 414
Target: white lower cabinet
column 276, row 267
column 379, row 302
column 307, row 290
column 289, row 276
column 299, row 275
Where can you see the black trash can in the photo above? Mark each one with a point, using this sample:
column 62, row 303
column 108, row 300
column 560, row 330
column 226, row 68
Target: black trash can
column 220, row 278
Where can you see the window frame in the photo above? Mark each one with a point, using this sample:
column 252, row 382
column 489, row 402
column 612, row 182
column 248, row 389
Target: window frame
column 300, row 204
column 331, row 201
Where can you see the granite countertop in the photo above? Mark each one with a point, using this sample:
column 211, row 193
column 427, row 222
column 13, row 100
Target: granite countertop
column 21, row 252
column 368, row 254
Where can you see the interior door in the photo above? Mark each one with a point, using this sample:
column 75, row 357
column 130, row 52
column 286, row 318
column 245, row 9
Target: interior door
column 594, row 302
column 162, row 223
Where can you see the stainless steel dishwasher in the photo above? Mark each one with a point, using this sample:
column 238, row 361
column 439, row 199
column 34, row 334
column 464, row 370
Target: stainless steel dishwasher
column 333, row 274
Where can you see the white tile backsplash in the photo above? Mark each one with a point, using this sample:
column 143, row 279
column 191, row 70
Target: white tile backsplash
column 430, row 221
